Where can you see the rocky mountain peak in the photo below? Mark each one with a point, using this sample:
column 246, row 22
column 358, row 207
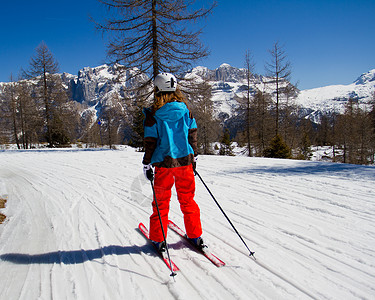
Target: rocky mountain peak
column 366, row 77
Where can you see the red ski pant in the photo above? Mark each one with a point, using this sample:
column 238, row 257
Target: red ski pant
column 183, row 178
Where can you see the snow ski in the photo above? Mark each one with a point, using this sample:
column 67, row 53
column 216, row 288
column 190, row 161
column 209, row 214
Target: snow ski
column 215, row 260
column 163, row 254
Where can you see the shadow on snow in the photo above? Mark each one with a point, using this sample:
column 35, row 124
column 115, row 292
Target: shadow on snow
column 334, row 169
column 74, row 256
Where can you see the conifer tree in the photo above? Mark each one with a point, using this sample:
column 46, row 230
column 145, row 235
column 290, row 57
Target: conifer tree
column 305, row 152
column 153, row 35
column 372, row 113
column 226, row 147
column 10, row 107
column 278, row 148
column 29, row 119
column 279, row 69
column 50, row 92
column 246, row 109
column 203, row 112
column 262, row 120
column 150, row 37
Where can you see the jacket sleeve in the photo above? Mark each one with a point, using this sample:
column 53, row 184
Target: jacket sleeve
column 150, row 146
column 150, row 136
column 193, row 135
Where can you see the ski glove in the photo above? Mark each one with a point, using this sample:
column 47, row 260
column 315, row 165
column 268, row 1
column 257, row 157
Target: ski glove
column 195, row 164
column 149, row 172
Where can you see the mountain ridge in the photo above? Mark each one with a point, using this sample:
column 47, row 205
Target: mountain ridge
column 333, row 98
column 94, row 85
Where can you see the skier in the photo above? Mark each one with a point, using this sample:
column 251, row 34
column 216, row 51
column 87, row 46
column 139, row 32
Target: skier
column 170, row 138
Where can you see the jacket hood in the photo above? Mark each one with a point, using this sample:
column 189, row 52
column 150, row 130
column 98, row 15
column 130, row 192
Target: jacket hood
column 172, row 111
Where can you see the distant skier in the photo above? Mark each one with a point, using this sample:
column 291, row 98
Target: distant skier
column 170, row 136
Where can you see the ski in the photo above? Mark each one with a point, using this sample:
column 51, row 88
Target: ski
column 163, row 255
column 214, row 259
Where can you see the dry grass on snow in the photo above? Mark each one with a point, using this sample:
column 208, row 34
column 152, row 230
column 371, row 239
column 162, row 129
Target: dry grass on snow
column 2, row 205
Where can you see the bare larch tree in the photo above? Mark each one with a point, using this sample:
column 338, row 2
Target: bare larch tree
column 42, row 66
column 49, row 90
column 249, row 67
column 152, row 35
column 279, row 69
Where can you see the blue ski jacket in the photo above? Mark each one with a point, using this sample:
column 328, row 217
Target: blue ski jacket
column 170, row 136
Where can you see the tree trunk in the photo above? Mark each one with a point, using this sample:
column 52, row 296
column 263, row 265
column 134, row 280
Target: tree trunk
column 155, row 50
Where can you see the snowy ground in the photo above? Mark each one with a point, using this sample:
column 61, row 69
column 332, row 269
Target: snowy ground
column 72, row 215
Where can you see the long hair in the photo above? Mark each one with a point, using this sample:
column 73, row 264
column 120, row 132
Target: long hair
column 162, row 98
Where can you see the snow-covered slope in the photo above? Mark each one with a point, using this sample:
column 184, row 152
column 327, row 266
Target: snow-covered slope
column 72, row 216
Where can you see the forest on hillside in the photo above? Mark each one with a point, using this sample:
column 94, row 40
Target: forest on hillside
column 37, row 109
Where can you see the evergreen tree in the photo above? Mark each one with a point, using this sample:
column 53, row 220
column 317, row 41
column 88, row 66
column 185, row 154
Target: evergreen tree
column 305, row 151
column 226, row 147
column 278, row 148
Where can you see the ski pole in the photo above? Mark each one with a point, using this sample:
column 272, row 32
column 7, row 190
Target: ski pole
column 162, row 230
column 217, row 203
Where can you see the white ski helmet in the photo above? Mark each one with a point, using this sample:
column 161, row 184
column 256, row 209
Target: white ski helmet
column 165, row 82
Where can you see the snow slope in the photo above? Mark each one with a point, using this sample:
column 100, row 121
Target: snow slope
column 72, row 216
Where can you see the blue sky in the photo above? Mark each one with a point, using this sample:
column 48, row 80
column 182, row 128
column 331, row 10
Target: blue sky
column 327, row 42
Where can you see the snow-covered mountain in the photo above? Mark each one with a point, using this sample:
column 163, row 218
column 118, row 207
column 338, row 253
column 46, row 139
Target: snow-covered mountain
column 334, row 97
column 229, row 82
column 94, row 86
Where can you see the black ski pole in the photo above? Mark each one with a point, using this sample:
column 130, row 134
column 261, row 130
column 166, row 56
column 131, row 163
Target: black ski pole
column 162, row 230
column 217, row 203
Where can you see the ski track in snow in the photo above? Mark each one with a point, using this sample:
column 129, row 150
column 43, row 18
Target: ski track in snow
column 72, row 218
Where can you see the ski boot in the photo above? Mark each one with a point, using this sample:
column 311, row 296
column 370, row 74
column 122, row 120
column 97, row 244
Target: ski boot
column 198, row 242
column 160, row 246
